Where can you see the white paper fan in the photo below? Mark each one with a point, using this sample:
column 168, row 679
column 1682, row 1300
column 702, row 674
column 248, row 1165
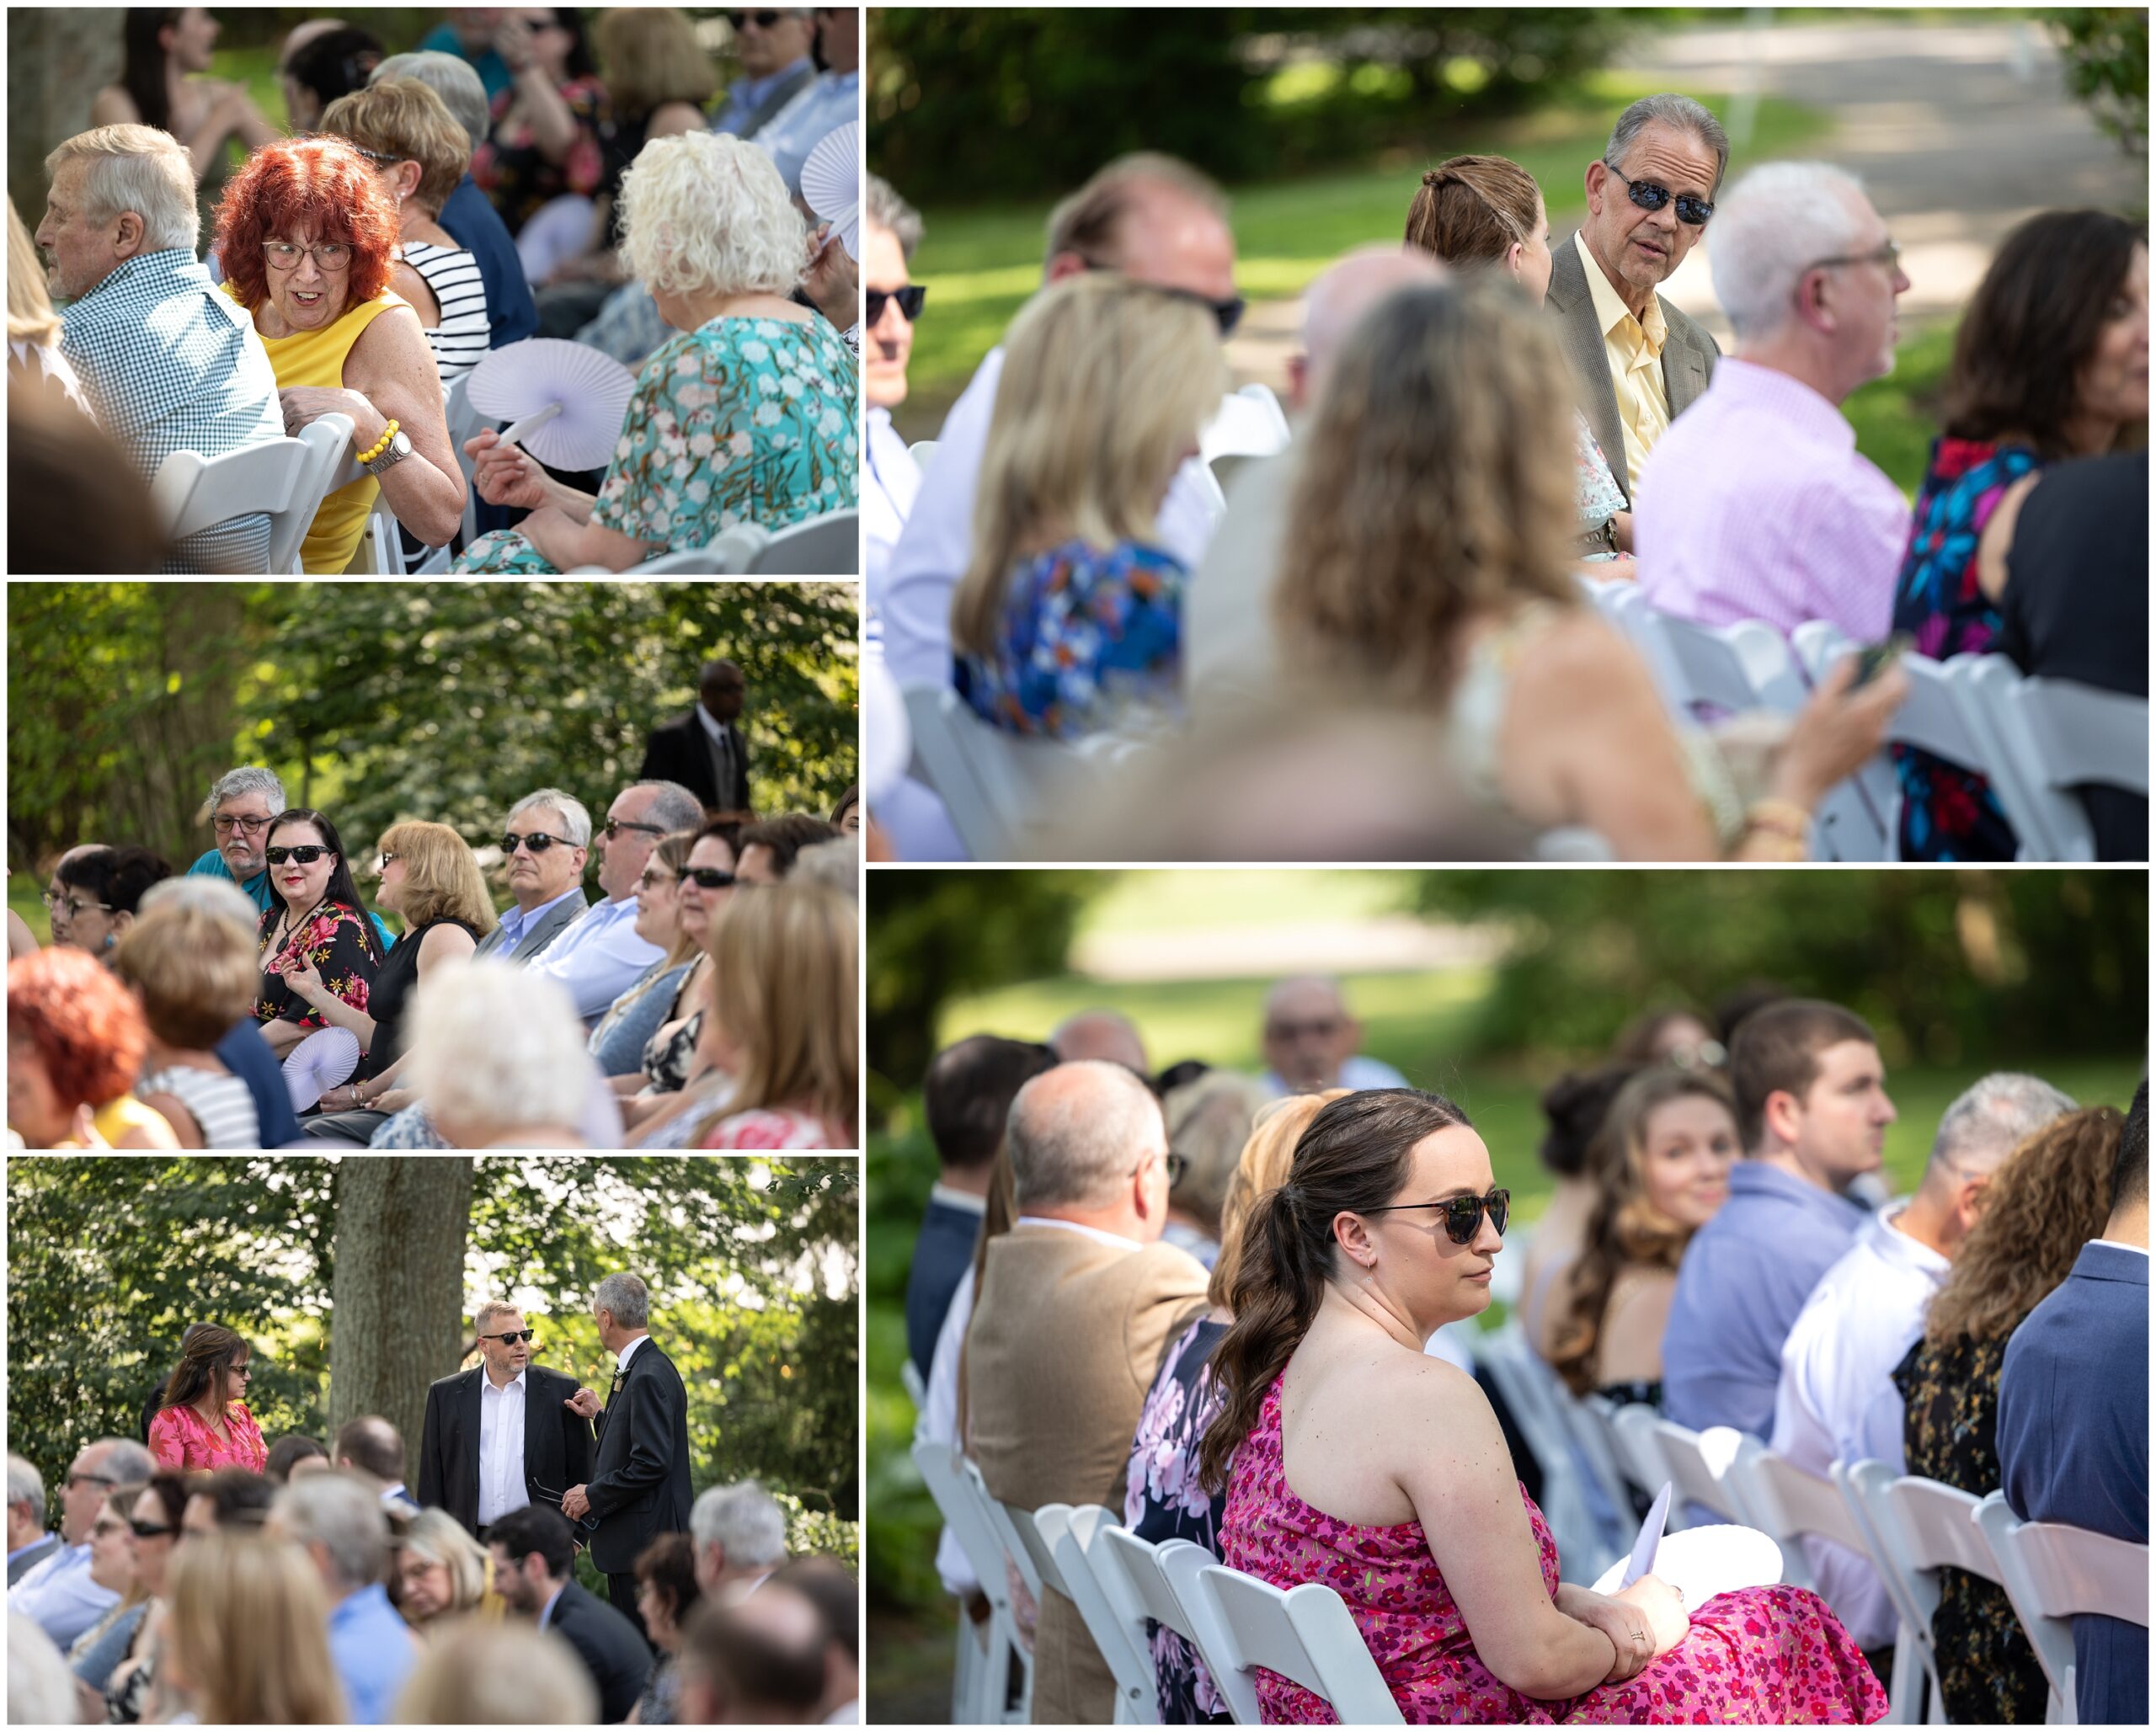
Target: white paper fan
column 319, row 1064
column 567, row 400
column 830, row 183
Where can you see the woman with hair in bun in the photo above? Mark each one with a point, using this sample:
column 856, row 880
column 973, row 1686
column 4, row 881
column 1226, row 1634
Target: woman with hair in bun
column 1402, row 1495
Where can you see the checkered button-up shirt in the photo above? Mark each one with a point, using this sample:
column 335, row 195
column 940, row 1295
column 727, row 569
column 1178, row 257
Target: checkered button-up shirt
column 172, row 365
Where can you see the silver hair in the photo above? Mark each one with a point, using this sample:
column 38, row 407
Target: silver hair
column 492, row 1308
column 674, row 806
column 575, row 819
column 205, row 895
column 887, row 210
column 41, row 1686
column 126, row 1461
column 495, row 1046
column 1993, row 1116
column 26, row 1485
column 746, row 1519
column 343, row 1513
column 1074, row 1131
column 248, row 779
column 1669, row 109
column 138, row 169
column 627, row 1297
column 835, row 865
column 1778, row 221
column 449, row 78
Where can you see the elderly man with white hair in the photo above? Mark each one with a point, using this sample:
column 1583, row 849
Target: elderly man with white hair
column 169, row 364
column 739, row 1534
column 1838, row 1400
column 29, row 1544
column 1756, row 504
column 336, row 1518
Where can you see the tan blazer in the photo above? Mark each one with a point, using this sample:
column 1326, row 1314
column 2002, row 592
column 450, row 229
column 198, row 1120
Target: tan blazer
column 1067, row 1335
column 1688, row 357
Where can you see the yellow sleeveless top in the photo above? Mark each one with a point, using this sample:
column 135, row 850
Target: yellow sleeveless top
column 124, row 1113
column 316, row 358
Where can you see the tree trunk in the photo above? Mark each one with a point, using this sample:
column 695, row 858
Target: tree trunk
column 59, row 57
column 398, row 1294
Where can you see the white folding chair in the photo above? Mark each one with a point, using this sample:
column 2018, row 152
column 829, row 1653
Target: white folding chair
column 1745, row 666
column 1130, row 1658
column 284, row 477
column 1580, row 1543
column 1597, row 1416
column 1787, row 1505
column 916, row 1390
column 1632, row 1433
column 922, row 452
column 1698, row 1464
column 1304, row 1633
column 1134, row 1573
column 826, row 546
column 982, row 1692
column 2059, row 735
column 2051, row 1572
column 1003, row 792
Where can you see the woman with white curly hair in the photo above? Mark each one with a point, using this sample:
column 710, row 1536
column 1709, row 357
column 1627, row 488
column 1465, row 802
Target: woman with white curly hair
column 748, row 416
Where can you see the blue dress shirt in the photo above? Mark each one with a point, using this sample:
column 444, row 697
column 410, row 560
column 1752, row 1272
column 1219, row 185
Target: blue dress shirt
column 599, row 958
column 514, row 921
column 830, row 101
column 1745, row 1276
column 748, row 95
column 59, row 1598
column 372, row 1649
column 477, row 226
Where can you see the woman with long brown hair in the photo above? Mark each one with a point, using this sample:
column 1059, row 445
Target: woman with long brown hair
column 1662, row 1161
column 1353, row 1457
column 201, row 1422
column 2049, row 1198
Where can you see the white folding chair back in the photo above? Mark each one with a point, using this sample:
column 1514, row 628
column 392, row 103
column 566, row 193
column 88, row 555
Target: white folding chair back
column 1699, row 1464
column 1305, row 1634
column 1598, row 1417
column 2051, row 1572
column 1023, row 1542
column 1130, row 1658
column 1915, row 1528
column 1134, row 1573
column 1855, row 822
column 916, row 1390
column 2065, row 735
column 1503, row 1353
column 1002, row 792
column 922, row 452
column 284, row 477
column 1786, row 1504
column 955, row 1483
column 1745, row 666
column 1632, row 1432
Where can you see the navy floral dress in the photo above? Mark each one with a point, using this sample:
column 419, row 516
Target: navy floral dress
column 1163, row 1500
column 1087, row 635
column 1948, row 814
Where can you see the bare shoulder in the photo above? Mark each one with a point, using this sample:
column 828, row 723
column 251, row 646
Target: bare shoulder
column 1997, row 538
column 393, row 337
column 441, row 943
column 1578, row 660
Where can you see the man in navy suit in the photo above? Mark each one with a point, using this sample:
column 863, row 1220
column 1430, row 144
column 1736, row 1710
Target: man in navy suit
column 966, row 1097
column 534, row 1573
column 2074, row 1420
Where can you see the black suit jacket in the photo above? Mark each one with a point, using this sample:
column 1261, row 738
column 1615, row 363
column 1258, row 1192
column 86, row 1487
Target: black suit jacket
column 681, row 752
column 639, row 1484
column 617, row 1657
column 556, row 1443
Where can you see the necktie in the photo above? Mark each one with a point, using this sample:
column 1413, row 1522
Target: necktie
column 721, row 768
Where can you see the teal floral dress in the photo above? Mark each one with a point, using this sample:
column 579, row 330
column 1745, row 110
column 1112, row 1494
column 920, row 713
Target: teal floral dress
column 745, row 420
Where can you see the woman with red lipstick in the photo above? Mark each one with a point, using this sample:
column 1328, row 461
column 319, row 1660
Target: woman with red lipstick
column 316, row 940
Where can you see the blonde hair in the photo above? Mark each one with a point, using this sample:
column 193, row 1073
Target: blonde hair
column 652, row 58
column 195, row 972
column 1265, row 1157
column 407, row 119
column 138, row 169
column 1106, row 383
column 30, row 316
column 1435, row 488
column 439, row 1538
column 702, row 211
column 442, row 879
column 784, row 991
column 1209, row 1120
column 250, row 1631
column 481, row 1672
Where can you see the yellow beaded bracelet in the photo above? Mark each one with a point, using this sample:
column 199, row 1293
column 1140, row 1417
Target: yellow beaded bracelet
column 381, row 444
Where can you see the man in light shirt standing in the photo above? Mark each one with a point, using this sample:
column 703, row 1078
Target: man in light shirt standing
column 501, row 1436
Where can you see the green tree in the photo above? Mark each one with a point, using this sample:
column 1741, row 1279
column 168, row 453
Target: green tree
column 2106, row 49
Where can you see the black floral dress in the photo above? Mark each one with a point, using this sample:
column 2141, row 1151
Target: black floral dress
column 518, row 177
column 338, row 941
column 1989, row 1673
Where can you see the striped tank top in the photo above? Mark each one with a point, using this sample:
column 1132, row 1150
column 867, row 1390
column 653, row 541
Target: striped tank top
column 222, row 1105
column 461, row 338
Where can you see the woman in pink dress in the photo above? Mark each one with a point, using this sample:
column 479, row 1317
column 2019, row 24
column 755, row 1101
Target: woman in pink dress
column 201, row 1423
column 1403, row 1499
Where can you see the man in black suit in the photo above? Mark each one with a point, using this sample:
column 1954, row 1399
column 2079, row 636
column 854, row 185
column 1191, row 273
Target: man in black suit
column 502, row 1435
column 704, row 751
column 534, row 1573
column 639, row 1485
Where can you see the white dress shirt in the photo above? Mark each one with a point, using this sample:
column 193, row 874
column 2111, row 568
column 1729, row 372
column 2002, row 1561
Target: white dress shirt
column 1357, row 1072
column 1837, row 1400
column 599, row 958
column 502, row 1487
column 891, row 480
column 622, row 1359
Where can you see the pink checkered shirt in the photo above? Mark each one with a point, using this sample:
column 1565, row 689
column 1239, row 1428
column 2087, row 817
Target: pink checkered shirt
column 1755, row 505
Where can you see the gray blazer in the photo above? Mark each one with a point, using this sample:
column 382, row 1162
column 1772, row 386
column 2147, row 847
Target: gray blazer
column 1688, row 357
column 557, row 921
column 34, row 1554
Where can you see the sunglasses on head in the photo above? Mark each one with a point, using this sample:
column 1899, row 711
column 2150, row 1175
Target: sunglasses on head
column 909, row 299
column 509, row 1335
column 307, row 853
column 538, row 842
column 1691, row 209
column 1462, row 1214
column 709, row 877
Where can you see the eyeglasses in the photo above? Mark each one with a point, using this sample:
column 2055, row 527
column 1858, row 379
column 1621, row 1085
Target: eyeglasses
column 510, row 1336
column 1889, row 254
column 251, row 826
column 149, row 1530
column 333, row 256
column 1228, row 313
column 381, row 159
column 614, row 827
column 538, row 842
column 761, row 20
column 650, row 880
column 306, row 853
column 1462, row 1214
column 1691, row 208
column 1177, row 1165
column 75, row 909
column 383, row 864
column 909, row 299
column 1323, row 1028
column 710, row 878
column 75, row 1479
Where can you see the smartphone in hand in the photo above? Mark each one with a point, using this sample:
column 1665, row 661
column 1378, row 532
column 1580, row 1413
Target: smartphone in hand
column 1875, row 657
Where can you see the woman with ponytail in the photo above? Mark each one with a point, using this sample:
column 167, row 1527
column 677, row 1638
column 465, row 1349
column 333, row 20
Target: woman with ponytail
column 1402, row 1497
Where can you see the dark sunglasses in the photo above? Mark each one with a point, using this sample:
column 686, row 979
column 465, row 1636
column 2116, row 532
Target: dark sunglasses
column 1691, row 208
column 149, row 1530
column 1228, row 313
column 307, row 853
column 509, row 1335
column 709, row 877
column 75, row 1479
column 909, row 299
column 614, row 826
column 538, row 842
column 1462, row 1214
column 762, row 21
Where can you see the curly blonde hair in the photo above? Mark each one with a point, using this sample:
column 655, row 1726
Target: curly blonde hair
column 1435, row 489
column 1265, row 1157
column 702, row 212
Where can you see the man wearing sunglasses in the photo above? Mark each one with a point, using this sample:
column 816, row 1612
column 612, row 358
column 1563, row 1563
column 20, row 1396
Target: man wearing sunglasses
column 544, row 845
column 1311, row 1041
column 773, row 45
column 601, row 956
column 500, row 1435
column 889, row 232
column 1638, row 362
column 57, row 1595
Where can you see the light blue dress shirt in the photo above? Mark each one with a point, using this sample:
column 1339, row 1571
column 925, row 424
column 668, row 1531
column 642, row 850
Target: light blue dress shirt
column 599, row 958
column 748, row 95
column 372, row 1649
column 59, row 1596
column 1357, row 1072
column 830, row 101
column 515, row 922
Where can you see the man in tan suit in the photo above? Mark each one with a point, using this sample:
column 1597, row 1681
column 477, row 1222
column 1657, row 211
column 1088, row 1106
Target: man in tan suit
column 1639, row 363
column 1079, row 1302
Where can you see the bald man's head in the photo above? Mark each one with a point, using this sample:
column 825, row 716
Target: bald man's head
column 1106, row 1035
column 1334, row 304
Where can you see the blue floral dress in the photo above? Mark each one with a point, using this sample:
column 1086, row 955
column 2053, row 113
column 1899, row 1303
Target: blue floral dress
column 1086, row 634
column 1162, row 1500
column 1948, row 814
column 744, row 420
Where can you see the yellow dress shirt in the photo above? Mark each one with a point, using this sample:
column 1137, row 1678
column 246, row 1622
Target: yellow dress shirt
column 1634, row 351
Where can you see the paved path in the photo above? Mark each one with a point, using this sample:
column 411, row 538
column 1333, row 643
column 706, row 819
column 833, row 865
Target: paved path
column 1959, row 131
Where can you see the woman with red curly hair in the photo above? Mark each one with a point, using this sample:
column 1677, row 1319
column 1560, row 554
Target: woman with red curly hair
column 305, row 232
column 75, row 1044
